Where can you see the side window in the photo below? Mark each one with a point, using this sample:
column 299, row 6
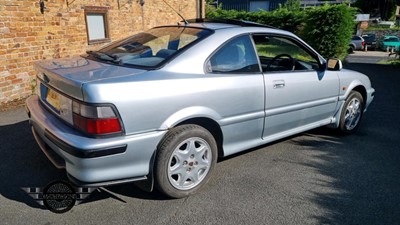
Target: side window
column 283, row 54
column 236, row 56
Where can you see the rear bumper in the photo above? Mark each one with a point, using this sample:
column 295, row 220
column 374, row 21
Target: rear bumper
column 91, row 160
column 370, row 45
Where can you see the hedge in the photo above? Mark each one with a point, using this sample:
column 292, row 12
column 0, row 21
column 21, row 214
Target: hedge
column 281, row 18
column 328, row 29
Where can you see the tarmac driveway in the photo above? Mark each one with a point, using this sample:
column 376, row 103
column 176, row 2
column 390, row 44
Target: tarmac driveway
column 316, row 177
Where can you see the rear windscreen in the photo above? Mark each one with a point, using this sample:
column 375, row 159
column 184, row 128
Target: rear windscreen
column 154, row 47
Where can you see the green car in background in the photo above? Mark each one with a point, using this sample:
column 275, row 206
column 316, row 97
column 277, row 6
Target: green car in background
column 390, row 42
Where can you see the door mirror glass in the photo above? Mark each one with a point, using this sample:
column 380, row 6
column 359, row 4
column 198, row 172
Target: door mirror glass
column 335, row 64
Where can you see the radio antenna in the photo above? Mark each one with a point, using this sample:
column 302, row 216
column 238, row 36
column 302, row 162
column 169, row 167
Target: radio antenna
column 183, row 19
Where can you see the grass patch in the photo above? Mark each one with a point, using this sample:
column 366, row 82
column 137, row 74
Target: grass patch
column 270, row 51
column 394, row 62
column 383, row 28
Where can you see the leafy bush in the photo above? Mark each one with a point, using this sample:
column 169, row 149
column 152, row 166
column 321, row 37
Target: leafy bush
column 281, row 18
column 327, row 29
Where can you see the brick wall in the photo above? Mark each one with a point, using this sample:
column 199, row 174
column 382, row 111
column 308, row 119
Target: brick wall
column 27, row 35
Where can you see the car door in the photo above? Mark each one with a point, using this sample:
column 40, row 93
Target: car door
column 234, row 71
column 298, row 93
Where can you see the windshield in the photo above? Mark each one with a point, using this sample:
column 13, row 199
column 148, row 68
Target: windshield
column 391, row 39
column 369, row 37
column 151, row 48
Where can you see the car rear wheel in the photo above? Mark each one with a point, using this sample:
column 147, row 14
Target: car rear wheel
column 185, row 159
column 350, row 50
column 352, row 113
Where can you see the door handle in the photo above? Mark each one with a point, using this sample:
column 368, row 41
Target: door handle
column 278, row 84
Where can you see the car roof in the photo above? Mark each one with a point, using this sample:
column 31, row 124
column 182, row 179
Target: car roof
column 211, row 26
column 216, row 24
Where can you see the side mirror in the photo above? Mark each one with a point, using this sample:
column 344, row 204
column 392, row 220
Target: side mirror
column 334, row 64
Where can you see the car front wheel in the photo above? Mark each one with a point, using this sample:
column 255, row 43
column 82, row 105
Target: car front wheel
column 185, row 159
column 352, row 113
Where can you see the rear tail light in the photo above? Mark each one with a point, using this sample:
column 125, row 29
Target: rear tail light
column 97, row 120
column 363, row 43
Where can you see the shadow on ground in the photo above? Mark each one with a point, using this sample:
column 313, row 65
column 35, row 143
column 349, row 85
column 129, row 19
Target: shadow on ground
column 22, row 164
column 363, row 168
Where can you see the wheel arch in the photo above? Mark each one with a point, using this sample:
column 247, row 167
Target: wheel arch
column 361, row 89
column 211, row 126
column 352, row 45
column 358, row 87
column 201, row 116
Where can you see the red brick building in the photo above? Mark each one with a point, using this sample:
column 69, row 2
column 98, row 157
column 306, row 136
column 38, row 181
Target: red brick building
column 32, row 30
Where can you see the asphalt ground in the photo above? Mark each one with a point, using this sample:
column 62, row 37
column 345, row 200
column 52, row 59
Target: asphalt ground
column 317, row 177
column 369, row 57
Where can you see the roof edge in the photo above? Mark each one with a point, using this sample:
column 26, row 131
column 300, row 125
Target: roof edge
column 242, row 23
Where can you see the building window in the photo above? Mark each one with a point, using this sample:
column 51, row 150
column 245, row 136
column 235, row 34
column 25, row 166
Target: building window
column 96, row 24
column 256, row 6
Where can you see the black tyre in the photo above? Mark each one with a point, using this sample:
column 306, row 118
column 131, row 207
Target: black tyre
column 352, row 113
column 350, row 50
column 185, row 160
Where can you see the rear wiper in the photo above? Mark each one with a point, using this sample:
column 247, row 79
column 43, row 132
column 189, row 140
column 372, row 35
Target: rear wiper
column 103, row 56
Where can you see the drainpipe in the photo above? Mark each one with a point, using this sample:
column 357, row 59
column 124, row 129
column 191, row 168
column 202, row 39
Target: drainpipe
column 200, row 9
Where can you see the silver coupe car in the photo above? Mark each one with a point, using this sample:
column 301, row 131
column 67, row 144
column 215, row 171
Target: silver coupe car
column 160, row 107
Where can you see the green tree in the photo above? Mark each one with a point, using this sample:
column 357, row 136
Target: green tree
column 386, row 8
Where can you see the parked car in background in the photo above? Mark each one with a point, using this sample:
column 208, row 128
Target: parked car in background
column 356, row 43
column 163, row 105
column 389, row 43
column 370, row 41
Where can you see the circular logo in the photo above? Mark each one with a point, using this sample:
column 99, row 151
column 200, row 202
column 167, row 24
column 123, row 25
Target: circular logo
column 59, row 196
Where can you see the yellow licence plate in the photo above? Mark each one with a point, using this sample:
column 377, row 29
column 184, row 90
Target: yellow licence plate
column 54, row 99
